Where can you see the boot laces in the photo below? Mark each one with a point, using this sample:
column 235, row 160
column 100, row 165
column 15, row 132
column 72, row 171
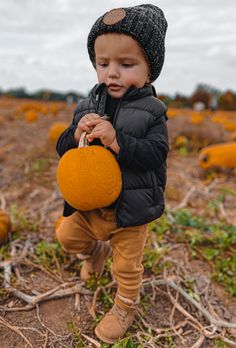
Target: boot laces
column 119, row 312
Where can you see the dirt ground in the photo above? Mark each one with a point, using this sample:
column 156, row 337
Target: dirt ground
column 28, row 163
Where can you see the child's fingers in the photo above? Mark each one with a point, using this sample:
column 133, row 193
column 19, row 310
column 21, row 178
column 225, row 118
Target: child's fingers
column 90, row 117
column 90, row 138
column 94, row 122
column 85, row 128
column 93, row 135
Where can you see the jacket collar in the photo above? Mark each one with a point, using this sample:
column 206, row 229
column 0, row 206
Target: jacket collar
column 100, row 91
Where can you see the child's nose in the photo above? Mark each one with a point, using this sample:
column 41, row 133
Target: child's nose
column 113, row 71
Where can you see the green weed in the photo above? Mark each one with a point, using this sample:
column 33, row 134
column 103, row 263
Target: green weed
column 127, row 342
column 184, row 217
column 47, row 254
column 225, row 271
column 39, row 165
column 4, row 252
column 21, row 222
column 153, row 259
column 160, row 227
column 216, row 242
column 220, row 343
column 72, row 328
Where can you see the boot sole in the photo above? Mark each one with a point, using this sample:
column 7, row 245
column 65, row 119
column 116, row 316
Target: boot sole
column 104, row 339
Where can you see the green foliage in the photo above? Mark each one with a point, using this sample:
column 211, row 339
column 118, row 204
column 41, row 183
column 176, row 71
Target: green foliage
column 4, row 252
column 225, row 271
column 228, row 191
column 39, row 165
column 210, row 253
column 47, row 253
column 21, row 222
column 94, row 282
column 183, row 217
column 160, row 227
column 183, row 151
column 4, row 294
column 194, row 236
column 219, row 343
column 215, row 242
column 106, row 299
column 72, row 328
column 152, row 259
column 213, row 205
column 127, row 342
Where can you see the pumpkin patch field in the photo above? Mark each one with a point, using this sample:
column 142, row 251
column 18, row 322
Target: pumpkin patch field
column 188, row 297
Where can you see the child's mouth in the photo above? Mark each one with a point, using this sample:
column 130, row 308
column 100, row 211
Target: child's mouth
column 114, row 88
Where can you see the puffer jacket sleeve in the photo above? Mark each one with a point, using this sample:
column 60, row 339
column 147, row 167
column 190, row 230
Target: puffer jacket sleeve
column 66, row 140
column 148, row 153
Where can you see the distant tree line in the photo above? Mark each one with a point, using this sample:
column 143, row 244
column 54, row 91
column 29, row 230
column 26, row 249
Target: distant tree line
column 42, row 94
column 209, row 96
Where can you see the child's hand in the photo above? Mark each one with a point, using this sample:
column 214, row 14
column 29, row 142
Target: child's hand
column 101, row 129
column 83, row 125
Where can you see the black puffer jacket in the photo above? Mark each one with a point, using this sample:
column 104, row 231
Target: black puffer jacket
column 140, row 123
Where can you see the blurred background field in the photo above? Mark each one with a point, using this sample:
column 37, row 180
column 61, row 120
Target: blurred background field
column 193, row 243
column 189, row 286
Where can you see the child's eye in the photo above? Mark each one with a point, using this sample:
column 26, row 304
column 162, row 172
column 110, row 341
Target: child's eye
column 127, row 65
column 103, row 65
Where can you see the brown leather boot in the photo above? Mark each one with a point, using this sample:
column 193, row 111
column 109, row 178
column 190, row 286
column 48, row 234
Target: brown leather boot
column 94, row 263
column 116, row 322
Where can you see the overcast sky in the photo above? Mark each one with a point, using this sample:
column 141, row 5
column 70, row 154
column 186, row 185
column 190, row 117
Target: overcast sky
column 43, row 43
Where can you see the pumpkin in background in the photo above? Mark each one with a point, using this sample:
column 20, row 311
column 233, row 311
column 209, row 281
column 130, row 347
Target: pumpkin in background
column 218, row 155
column 89, row 177
column 232, row 136
column 56, row 130
column 5, row 226
column 54, row 109
column 180, row 141
column 196, row 118
column 31, row 116
column 230, row 126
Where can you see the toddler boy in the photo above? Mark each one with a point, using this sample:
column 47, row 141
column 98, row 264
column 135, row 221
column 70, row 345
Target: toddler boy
column 126, row 47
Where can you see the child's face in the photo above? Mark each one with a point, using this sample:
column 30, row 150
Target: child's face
column 120, row 63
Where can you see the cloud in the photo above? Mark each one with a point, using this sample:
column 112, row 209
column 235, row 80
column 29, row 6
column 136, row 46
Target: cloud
column 43, row 43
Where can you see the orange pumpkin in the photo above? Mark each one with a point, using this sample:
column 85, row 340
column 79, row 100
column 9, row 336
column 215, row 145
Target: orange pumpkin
column 5, row 226
column 31, row 116
column 56, row 130
column 89, row 177
column 218, row 155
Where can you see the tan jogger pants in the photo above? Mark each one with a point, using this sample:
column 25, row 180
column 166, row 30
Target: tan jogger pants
column 79, row 232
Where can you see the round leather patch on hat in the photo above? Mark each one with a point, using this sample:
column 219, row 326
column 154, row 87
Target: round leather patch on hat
column 114, row 16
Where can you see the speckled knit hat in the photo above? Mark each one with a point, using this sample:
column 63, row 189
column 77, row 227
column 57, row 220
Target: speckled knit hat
column 145, row 23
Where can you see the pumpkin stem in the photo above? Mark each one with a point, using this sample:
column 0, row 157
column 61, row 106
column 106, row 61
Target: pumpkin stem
column 83, row 142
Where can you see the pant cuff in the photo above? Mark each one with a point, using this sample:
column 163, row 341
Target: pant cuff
column 126, row 303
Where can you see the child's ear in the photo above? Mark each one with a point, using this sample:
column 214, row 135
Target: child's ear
column 148, row 79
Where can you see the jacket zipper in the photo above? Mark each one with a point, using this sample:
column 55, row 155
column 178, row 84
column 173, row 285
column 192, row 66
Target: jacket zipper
column 119, row 199
column 116, row 113
column 114, row 122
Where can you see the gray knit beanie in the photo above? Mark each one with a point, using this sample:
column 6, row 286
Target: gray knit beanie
column 145, row 23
